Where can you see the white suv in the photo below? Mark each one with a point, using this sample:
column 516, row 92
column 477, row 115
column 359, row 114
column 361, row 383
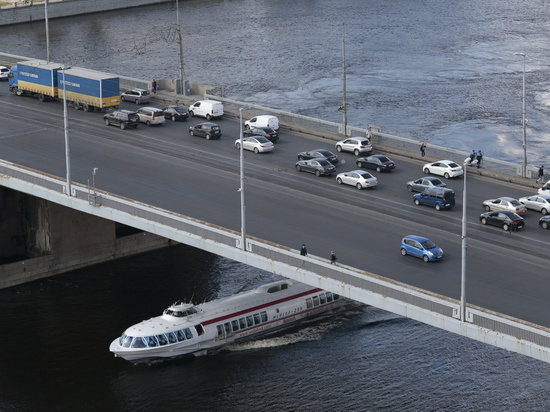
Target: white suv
column 150, row 115
column 356, row 145
column 4, row 73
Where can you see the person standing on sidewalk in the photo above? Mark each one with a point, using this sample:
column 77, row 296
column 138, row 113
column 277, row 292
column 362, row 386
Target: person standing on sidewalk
column 154, row 86
column 303, row 251
column 423, row 149
column 540, row 177
column 333, row 258
column 479, row 158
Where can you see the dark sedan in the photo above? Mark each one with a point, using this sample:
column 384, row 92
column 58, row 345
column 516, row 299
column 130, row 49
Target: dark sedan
column 502, row 218
column 266, row 132
column 175, row 113
column 319, row 154
column 321, row 167
column 380, row 163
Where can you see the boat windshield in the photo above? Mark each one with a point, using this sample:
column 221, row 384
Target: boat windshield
column 180, row 313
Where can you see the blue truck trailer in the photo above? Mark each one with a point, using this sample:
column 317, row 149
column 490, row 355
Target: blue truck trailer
column 84, row 89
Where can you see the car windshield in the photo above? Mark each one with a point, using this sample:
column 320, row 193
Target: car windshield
column 428, row 244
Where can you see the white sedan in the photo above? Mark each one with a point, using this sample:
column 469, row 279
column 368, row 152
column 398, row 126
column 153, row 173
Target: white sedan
column 257, row 144
column 540, row 203
column 446, row 168
column 505, row 203
column 358, row 178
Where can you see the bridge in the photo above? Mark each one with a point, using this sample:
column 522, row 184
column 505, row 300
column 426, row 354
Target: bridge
column 414, row 302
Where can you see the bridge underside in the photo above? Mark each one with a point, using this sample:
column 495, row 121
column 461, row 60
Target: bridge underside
column 104, row 209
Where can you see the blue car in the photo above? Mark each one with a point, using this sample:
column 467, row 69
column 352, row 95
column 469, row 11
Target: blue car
column 438, row 197
column 421, row 247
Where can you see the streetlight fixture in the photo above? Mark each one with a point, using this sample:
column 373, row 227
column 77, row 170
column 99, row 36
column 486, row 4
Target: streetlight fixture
column 524, row 123
column 241, row 189
column 463, row 266
column 66, row 128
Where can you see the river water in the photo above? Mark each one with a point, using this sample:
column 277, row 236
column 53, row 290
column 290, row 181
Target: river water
column 444, row 71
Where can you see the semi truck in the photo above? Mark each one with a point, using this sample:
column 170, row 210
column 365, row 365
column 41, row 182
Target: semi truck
column 84, row 89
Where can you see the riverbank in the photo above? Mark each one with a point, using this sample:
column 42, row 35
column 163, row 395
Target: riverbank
column 16, row 12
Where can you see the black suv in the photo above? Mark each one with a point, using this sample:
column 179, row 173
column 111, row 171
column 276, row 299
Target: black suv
column 266, row 132
column 122, row 118
column 208, row 130
column 175, row 113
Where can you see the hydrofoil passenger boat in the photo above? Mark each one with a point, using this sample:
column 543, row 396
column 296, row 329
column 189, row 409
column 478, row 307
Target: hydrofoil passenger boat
column 188, row 329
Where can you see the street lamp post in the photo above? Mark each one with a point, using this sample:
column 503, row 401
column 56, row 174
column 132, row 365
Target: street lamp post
column 180, row 42
column 524, row 123
column 463, row 266
column 241, row 189
column 344, row 103
column 66, row 128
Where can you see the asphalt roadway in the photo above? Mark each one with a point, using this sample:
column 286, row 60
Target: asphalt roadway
column 166, row 167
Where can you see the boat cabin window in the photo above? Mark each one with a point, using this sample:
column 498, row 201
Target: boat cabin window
column 153, row 341
column 264, row 316
column 315, row 300
column 322, row 298
column 172, row 337
column 227, row 327
column 277, row 288
column 257, row 319
column 188, row 333
column 329, row 296
column 126, row 341
column 242, row 323
column 220, row 330
column 162, row 340
column 309, row 303
column 180, row 335
column 180, row 313
column 139, row 343
column 235, row 325
column 249, row 321
column 199, row 329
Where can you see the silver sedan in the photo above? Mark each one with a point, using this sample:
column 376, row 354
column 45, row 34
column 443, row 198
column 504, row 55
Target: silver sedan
column 540, row 203
column 505, row 203
column 358, row 178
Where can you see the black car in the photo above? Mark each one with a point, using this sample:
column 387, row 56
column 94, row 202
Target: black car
column 317, row 166
column 502, row 218
column 319, row 153
column 175, row 113
column 122, row 118
column 207, row 130
column 266, row 132
column 380, row 163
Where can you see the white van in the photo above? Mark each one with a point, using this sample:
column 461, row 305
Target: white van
column 263, row 121
column 545, row 189
column 210, row 109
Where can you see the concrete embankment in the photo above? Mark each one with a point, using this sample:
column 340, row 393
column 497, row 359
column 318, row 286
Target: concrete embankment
column 24, row 12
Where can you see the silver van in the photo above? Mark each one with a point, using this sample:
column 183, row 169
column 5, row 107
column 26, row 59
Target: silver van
column 150, row 115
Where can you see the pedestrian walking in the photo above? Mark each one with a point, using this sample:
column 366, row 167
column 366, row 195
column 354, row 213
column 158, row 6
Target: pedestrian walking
column 333, row 258
column 540, row 177
column 472, row 157
column 303, row 251
column 369, row 133
column 423, row 148
column 479, row 157
column 154, row 86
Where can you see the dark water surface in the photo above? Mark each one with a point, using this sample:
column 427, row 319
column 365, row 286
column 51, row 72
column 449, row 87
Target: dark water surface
column 56, row 334
column 444, row 70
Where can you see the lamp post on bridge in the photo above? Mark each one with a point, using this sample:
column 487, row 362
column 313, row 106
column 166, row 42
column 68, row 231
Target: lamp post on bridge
column 463, row 265
column 524, row 123
column 66, row 128
column 241, row 189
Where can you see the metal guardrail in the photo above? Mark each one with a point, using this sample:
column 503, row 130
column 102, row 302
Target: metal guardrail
column 484, row 325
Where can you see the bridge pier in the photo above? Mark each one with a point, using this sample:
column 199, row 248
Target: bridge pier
column 39, row 238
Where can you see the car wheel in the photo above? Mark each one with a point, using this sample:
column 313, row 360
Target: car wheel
column 488, row 208
column 300, row 157
column 237, row 145
column 148, row 123
column 544, row 211
column 359, row 186
column 298, row 168
column 427, row 171
column 356, row 152
column 425, row 258
column 246, row 126
column 107, row 122
column 137, row 101
column 317, row 173
column 339, row 148
column 122, row 98
column 483, row 221
column 544, row 225
column 506, row 227
column 437, row 207
column 256, row 150
column 378, row 169
column 191, row 113
column 409, row 188
column 191, row 132
column 359, row 164
column 417, row 202
column 208, row 137
column 208, row 117
column 403, row 251
column 339, row 181
column 122, row 125
column 446, row 175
